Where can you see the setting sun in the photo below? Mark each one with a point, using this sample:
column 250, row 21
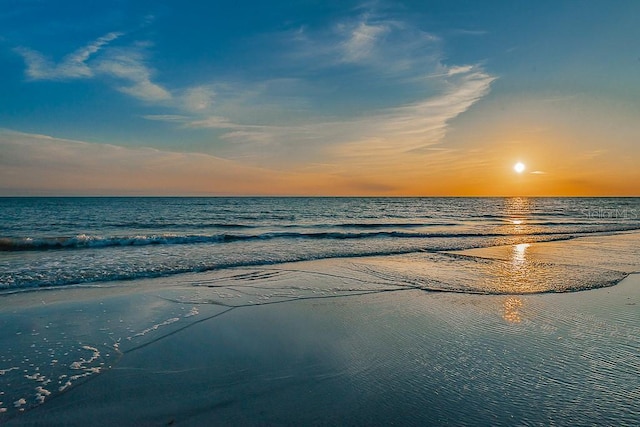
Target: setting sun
column 519, row 167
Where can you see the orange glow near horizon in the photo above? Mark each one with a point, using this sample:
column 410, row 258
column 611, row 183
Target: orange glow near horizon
column 484, row 169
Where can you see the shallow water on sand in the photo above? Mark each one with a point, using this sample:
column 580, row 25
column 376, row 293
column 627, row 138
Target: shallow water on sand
column 440, row 359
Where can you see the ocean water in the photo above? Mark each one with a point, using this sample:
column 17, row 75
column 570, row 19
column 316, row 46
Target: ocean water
column 47, row 242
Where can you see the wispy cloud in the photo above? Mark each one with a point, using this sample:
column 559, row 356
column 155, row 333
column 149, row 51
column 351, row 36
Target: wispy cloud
column 360, row 40
column 72, row 66
column 359, row 92
column 41, row 164
column 396, row 57
column 375, row 42
column 592, row 154
column 388, row 55
column 466, row 32
column 126, row 66
column 463, row 69
column 203, row 122
column 402, row 134
column 198, row 98
column 404, row 130
column 213, row 122
column 173, row 118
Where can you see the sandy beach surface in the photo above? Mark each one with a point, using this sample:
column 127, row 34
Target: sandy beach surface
column 362, row 341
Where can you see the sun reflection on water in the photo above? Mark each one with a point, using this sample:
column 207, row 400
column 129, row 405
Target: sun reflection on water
column 519, row 275
column 517, row 211
column 511, row 309
column 520, row 254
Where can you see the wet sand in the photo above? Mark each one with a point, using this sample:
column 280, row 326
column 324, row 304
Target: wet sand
column 355, row 342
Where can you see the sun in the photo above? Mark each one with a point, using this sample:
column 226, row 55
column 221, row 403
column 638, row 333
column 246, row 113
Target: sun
column 519, row 167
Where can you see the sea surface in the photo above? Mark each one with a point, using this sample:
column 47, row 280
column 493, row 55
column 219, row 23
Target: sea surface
column 46, row 242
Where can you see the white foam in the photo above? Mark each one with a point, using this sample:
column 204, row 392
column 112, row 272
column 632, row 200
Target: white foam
column 82, row 363
column 156, row 327
column 36, row 377
column 41, row 394
column 194, row 312
column 64, row 386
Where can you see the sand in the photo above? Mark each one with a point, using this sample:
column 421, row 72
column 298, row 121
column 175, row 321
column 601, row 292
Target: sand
column 323, row 342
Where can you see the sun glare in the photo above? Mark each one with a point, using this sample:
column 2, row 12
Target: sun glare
column 519, row 167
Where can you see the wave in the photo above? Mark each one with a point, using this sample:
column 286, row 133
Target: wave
column 83, row 241
column 224, row 225
column 388, row 227
column 98, row 276
column 80, row 269
column 374, row 225
column 157, row 225
column 125, row 272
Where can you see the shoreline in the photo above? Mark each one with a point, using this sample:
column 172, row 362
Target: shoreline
column 325, row 342
column 496, row 252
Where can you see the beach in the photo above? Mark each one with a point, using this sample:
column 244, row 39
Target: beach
column 355, row 341
column 319, row 213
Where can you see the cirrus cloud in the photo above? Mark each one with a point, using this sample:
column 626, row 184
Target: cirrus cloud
column 72, row 66
column 126, row 66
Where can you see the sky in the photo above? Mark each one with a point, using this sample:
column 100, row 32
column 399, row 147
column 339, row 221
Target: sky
column 318, row 97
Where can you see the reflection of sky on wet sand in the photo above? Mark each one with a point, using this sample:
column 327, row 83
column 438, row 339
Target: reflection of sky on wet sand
column 372, row 358
column 511, row 306
column 506, row 270
column 520, row 273
column 559, row 266
column 595, row 253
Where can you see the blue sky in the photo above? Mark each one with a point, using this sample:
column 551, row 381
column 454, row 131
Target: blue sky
column 317, row 97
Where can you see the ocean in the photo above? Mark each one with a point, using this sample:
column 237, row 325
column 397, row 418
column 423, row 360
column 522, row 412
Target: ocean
column 61, row 241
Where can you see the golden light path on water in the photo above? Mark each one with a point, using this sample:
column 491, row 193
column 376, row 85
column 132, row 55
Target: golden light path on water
column 513, row 304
